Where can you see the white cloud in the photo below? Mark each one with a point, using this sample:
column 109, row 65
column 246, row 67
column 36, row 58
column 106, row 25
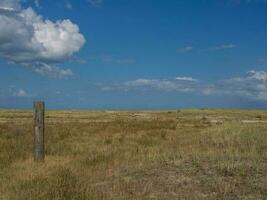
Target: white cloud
column 21, row 94
column 13, row 91
column 95, row 2
column 68, row 5
column 37, row 3
column 166, row 85
column 10, row 4
column 185, row 49
column 225, row 46
column 252, row 86
column 28, row 39
column 185, row 79
column 51, row 71
column 257, row 75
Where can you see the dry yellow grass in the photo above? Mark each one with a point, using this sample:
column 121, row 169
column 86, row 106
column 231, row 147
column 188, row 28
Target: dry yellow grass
column 185, row 154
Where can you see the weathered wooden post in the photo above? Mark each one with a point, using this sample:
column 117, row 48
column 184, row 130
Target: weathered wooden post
column 38, row 129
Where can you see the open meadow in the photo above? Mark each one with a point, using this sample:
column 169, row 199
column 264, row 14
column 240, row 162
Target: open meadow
column 179, row 154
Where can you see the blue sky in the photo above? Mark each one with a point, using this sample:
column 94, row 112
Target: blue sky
column 134, row 54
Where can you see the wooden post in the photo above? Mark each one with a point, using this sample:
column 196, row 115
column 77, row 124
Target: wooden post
column 38, row 129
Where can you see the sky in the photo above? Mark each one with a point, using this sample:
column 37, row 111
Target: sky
column 134, row 54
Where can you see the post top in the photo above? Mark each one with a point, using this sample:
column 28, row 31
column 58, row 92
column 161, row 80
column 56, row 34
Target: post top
column 39, row 104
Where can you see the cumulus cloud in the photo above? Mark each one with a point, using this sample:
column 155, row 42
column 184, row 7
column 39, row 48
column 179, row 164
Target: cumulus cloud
column 184, row 85
column 185, row 79
column 257, row 75
column 10, row 4
column 28, row 39
column 253, row 85
column 15, row 92
column 51, row 71
column 21, row 94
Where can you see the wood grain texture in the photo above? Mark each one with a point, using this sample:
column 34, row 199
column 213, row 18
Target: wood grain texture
column 39, row 116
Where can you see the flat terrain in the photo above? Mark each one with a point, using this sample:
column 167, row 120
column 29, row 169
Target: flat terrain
column 183, row 154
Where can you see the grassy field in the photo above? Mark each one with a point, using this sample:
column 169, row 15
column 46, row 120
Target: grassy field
column 183, row 154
